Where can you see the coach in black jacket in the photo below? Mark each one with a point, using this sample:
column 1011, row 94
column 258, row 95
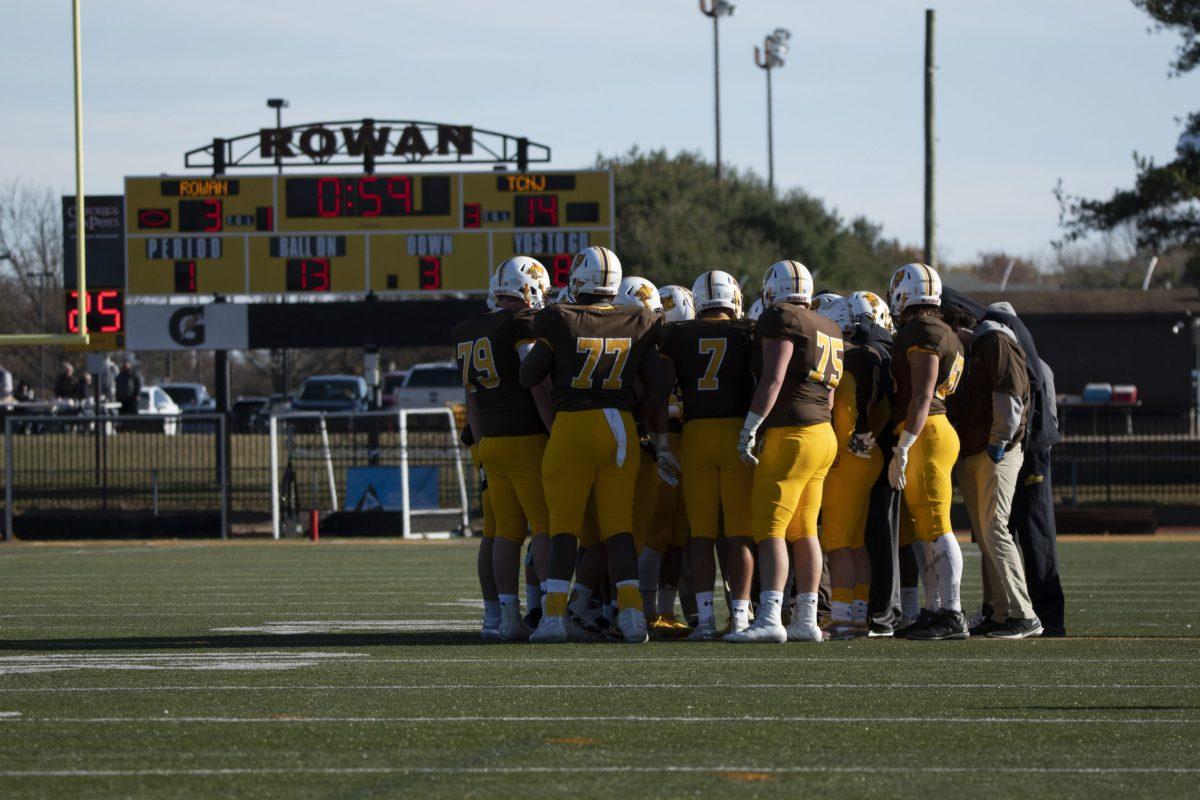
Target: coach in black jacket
column 1032, row 516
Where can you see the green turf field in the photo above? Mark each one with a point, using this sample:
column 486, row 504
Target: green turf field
column 354, row 669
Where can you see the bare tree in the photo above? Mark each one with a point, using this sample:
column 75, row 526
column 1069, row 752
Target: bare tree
column 31, row 243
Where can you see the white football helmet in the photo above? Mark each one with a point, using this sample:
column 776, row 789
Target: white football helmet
column 755, row 310
column 595, row 270
column 914, row 285
column 677, row 303
column 837, row 308
column 868, row 307
column 635, row 291
column 717, row 289
column 787, row 282
column 521, row 277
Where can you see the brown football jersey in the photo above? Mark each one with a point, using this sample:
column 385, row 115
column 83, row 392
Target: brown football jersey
column 596, row 353
column 931, row 335
column 815, row 367
column 486, row 348
column 712, row 366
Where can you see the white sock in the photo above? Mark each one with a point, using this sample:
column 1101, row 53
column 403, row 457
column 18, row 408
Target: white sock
column 666, row 599
column 533, row 596
column 929, row 578
column 770, row 607
column 858, row 611
column 947, row 561
column 839, row 611
column 580, row 599
column 910, row 602
column 740, row 612
column 704, row 605
column 508, row 600
column 491, row 613
column 805, row 612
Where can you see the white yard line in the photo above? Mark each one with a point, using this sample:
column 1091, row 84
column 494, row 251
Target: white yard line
column 434, row 687
column 716, row 770
column 288, row 719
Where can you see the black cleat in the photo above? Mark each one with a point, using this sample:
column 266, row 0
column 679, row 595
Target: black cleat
column 946, row 625
column 533, row 618
column 923, row 619
column 1017, row 629
column 985, row 626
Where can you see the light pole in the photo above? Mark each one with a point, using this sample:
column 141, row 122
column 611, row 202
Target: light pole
column 717, row 9
column 278, row 103
column 775, row 47
column 41, row 276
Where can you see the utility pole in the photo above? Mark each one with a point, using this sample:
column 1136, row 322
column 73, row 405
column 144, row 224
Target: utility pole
column 717, row 9
column 930, row 169
column 285, row 360
column 775, row 47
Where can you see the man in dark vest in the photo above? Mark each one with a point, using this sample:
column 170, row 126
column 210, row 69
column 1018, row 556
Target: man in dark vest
column 1032, row 516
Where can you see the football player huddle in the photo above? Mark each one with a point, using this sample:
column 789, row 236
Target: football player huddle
column 638, row 436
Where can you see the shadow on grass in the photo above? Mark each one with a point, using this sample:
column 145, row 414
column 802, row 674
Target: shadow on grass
column 248, row 640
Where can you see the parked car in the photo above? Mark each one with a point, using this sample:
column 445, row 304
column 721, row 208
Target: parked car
column 152, row 400
column 391, row 382
column 243, row 414
column 437, row 383
column 332, row 393
column 192, row 398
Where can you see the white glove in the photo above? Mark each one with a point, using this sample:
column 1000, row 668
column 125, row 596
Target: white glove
column 669, row 469
column 900, row 461
column 746, row 439
column 861, row 444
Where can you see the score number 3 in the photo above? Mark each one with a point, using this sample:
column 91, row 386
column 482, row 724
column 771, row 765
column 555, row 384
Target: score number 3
column 592, row 349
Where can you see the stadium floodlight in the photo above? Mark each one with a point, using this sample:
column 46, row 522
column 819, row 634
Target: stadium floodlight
column 775, row 47
column 717, row 9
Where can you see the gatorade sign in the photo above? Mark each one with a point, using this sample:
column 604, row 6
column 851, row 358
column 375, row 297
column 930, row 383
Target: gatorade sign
column 214, row 326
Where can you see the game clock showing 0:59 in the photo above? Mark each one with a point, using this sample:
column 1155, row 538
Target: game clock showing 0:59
column 349, row 234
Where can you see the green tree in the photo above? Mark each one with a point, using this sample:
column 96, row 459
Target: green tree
column 1161, row 206
column 674, row 222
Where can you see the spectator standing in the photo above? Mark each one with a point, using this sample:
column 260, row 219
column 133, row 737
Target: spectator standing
column 6, row 384
column 128, row 387
column 25, row 393
column 65, row 383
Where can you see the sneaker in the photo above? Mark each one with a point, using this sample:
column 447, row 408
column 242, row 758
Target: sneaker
column 923, row 619
column 632, row 622
column 512, row 627
column 878, row 631
column 976, row 620
column 704, row 632
column 946, row 625
column 982, row 626
column 760, row 631
column 581, row 630
column 797, row 631
column 1017, row 629
column 552, row 630
column 665, row 626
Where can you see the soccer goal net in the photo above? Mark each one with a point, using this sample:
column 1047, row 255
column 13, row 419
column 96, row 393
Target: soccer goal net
column 372, row 472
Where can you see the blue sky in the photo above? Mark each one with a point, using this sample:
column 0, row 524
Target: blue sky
column 1029, row 91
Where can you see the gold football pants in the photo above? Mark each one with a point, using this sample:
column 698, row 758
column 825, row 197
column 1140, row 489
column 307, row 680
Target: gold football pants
column 788, row 481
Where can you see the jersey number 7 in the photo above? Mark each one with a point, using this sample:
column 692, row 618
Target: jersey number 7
column 592, row 349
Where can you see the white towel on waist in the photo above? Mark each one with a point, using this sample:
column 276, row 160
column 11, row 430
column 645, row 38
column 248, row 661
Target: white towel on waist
column 617, row 425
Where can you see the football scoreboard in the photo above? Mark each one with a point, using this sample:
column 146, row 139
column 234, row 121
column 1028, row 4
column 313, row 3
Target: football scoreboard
column 355, row 233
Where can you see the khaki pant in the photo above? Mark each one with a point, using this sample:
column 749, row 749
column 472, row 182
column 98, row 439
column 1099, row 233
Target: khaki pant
column 987, row 490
